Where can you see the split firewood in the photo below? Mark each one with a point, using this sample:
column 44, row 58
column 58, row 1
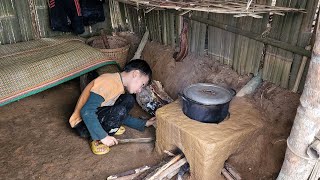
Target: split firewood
column 164, row 167
column 232, row 171
column 227, row 175
column 129, row 174
column 168, row 153
column 171, row 175
column 172, row 170
column 152, row 170
column 183, row 52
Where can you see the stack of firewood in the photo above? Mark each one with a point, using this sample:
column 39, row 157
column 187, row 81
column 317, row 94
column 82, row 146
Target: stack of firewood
column 177, row 164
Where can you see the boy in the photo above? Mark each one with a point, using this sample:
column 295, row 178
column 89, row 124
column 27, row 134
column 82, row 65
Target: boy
column 104, row 107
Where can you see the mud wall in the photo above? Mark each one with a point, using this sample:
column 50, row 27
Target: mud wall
column 193, row 69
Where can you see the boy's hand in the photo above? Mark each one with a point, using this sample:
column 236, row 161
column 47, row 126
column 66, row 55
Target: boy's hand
column 151, row 121
column 109, row 141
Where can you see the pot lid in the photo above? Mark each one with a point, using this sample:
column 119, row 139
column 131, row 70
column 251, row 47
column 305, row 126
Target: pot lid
column 208, row 94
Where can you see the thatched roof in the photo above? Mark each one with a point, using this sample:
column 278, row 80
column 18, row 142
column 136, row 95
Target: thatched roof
column 237, row 8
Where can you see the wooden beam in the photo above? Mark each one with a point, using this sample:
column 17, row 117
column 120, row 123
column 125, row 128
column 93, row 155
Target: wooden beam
column 255, row 36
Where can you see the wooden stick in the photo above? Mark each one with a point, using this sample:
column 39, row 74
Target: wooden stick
column 143, row 42
column 150, row 9
column 168, row 153
column 173, row 168
column 164, row 167
column 105, row 40
column 136, row 140
column 125, row 175
column 226, row 174
column 232, row 171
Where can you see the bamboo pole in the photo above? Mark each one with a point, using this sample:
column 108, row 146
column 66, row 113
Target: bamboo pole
column 297, row 164
column 159, row 27
column 301, row 69
column 143, row 42
column 164, row 24
column 168, row 27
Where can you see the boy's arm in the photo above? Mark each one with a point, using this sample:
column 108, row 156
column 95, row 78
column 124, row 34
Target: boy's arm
column 134, row 123
column 88, row 114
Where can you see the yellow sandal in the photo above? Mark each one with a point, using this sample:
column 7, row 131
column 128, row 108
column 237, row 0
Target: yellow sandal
column 96, row 147
column 120, row 131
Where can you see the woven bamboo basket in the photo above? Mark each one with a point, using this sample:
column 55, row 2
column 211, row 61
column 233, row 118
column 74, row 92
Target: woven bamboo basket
column 118, row 51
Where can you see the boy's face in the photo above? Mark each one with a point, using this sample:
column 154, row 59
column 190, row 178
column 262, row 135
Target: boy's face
column 137, row 82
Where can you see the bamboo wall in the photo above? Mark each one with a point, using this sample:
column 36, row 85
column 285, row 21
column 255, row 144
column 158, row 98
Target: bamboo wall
column 243, row 54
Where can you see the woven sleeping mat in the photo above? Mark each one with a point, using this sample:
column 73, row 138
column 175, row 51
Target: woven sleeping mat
column 29, row 67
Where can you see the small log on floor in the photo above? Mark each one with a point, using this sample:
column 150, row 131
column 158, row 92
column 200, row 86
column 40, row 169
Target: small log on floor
column 136, row 140
column 129, row 174
column 251, row 86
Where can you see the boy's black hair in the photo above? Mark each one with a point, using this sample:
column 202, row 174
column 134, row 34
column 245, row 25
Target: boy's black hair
column 141, row 65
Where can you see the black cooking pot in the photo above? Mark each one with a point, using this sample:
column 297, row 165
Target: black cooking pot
column 207, row 103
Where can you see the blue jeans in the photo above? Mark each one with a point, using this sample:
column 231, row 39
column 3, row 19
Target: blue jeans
column 98, row 122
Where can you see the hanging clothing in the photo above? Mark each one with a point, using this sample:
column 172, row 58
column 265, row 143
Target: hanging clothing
column 65, row 16
column 92, row 11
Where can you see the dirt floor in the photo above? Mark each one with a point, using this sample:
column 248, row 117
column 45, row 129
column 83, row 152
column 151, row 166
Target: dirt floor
column 37, row 143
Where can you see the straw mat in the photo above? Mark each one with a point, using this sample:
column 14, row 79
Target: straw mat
column 29, row 67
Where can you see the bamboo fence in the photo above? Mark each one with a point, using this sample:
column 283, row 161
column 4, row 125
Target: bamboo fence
column 281, row 66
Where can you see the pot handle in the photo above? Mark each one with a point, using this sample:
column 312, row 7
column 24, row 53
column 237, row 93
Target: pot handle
column 182, row 96
column 232, row 91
